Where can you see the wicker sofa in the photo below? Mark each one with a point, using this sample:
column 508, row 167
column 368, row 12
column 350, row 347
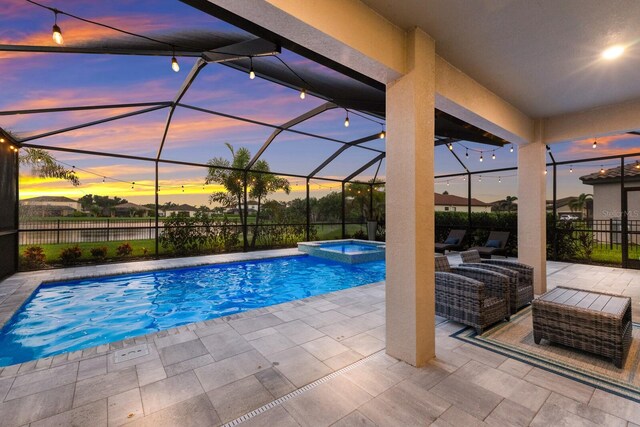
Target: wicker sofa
column 471, row 296
column 521, row 292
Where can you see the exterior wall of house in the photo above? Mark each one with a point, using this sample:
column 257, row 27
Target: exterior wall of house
column 606, row 202
column 451, row 208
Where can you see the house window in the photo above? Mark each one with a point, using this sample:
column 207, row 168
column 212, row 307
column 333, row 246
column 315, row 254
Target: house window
column 446, row 208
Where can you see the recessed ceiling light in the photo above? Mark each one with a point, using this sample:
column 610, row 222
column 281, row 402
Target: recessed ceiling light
column 613, row 52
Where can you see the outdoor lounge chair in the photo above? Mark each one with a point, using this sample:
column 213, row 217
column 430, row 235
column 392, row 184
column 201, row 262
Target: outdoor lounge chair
column 521, row 291
column 495, row 245
column 453, row 241
column 471, row 296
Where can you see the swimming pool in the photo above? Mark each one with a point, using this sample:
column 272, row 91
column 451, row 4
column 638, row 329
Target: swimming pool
column 69, row 316
column 348, row 248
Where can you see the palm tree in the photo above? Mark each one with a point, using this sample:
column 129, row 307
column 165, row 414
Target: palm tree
column 44, row 165
column 579, row 204
column 231, row 174
column 508, row 204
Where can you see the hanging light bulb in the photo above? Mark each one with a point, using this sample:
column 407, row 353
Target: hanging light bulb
column 104, row 179
column 133, row 184
column 637, row 165
column 2, row 140
column 450, row 145
column 601, row 169
column 252, row 74
column 499, row 179
column 545, row 171
column 174, row 62
column 464, row 178
column 183, row 188
column 303, row 94
column 346, row 120
column 493, row 156
column 466, row 153
column 481, row 158
column 511, row 148
column 479, row 178
column 383, row 134
column 447, row 183
column 595, row 143
column 57, row 32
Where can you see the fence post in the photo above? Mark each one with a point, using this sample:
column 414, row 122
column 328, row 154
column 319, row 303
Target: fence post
column 58, row 233
column 108, row 229
column 610, row 233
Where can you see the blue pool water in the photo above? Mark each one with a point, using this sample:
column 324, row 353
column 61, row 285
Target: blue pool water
column 70, row 316
column 348, row 248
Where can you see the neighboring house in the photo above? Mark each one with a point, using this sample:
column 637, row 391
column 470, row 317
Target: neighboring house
column 606, row 192
column 449, row 203
column 131, row 210
column 563, row 209
column 185, row 210
column 252, row 207
column 50, row 206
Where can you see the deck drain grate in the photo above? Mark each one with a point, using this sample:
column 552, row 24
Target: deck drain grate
column 129, row 353
column 297, row 392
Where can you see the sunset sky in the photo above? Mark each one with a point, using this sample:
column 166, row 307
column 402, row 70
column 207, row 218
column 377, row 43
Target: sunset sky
column 40, row 80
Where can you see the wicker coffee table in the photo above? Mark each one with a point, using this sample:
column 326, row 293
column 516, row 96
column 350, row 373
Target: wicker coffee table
column 596, row 322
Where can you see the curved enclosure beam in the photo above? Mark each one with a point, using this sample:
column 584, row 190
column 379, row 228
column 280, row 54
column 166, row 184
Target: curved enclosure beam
column 340, row 150
column 95, row 122
column 195, row 70
column 301, row 118
column 82, row 108
column 365, row 167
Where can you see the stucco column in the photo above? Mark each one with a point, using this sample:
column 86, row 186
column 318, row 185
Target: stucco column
column 410, row 290
column 532, row 220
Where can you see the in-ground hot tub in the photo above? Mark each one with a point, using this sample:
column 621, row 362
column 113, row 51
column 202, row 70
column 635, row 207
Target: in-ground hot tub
column 351, row 251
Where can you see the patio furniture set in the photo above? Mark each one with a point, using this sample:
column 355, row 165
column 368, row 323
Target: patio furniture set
column 481, row 292
column 495, row 245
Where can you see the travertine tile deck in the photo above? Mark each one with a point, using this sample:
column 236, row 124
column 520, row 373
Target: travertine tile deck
column 212, row 372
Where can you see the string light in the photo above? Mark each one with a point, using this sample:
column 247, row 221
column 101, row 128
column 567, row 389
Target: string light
column 511, row 148
column 545, row 171
column 466, row 153
column 601, row 169
column 174, row 62
column 450, row 145
column 56, row 32
column 595, row 143
column 493, row 156
column 252, row 74
column 303, row 94
column 637, row 165
column 481, row 158
column 104, row 178
column 383, row 134
column 182, row 188
column 499, row 179
column 571, row 169
column 2, row 140
column 447, row 183
column 346, row 120
column 479, row 178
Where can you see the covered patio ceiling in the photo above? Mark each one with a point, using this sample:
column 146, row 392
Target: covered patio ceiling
column 208, row 43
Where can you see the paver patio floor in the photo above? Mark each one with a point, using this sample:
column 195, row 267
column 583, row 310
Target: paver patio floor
column 212, row 372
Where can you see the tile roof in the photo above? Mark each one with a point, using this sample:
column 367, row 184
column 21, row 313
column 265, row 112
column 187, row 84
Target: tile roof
column 451, row 200
column 631, row 173
column 50, row 199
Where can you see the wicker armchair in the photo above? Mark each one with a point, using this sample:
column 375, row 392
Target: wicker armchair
column 472, row 296
column 521, row 291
